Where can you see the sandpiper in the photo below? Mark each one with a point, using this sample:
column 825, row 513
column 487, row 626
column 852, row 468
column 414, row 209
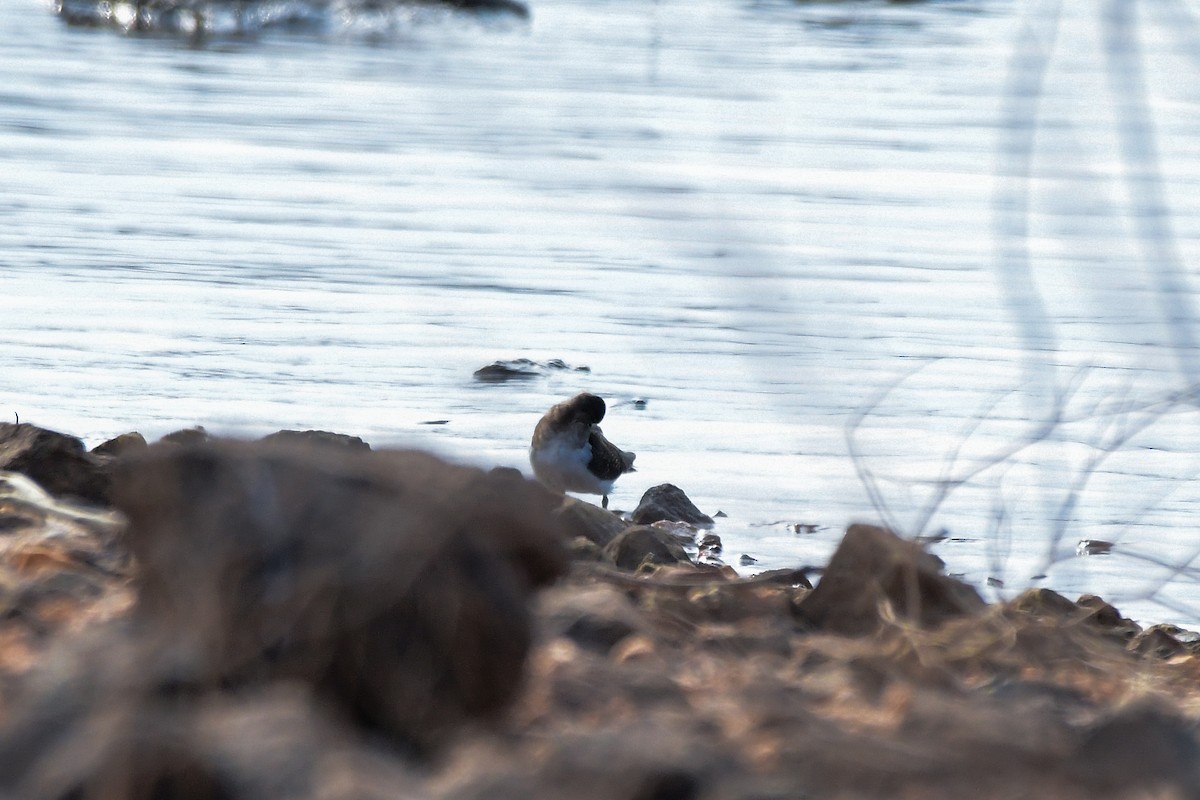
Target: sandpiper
column 569, row 452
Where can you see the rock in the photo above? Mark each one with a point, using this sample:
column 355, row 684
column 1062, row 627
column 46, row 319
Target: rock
column 1108, row 618
column 522, row 369
column 194, row 435
column 393, row 583
column 1157, row 641
column 1141, row 747
column 595, row 524
column 874, row 569
column 785, row 577
column 644, row 544
column 595, row 617
column 62, row 566
column 668, row 502
column 121, row 445
column 323, row 438
column 1093, row 547
column 124, row 742
column 57, row 462
column 1045, row 603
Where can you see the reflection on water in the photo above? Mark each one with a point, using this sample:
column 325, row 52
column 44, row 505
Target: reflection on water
column 753, row 216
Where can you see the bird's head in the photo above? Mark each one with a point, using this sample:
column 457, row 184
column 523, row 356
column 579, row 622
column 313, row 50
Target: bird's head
column 588, row 407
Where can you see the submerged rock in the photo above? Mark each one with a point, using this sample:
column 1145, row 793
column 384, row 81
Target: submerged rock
column 873, row 570
column 199, row 19
column 393, row 583
column 521, row 369
column 57, row 462
column 668, row 502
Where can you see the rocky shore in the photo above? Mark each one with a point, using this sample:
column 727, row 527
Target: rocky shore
column 306, row 617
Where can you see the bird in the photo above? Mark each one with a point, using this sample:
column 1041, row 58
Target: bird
column 569, row 452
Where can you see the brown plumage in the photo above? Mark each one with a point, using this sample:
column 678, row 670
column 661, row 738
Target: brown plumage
column 569, row 452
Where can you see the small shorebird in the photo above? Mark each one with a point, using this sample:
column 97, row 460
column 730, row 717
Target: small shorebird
column 569, row 452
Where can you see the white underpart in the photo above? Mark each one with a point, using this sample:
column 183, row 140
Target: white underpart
column 561, row 464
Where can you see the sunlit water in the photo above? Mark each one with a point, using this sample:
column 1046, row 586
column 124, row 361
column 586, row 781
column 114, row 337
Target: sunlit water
column 754, row 216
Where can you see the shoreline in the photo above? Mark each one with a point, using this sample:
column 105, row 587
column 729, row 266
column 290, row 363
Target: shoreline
column 308, row 617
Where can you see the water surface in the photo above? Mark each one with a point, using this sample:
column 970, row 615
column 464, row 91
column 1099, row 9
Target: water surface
column 754, row 216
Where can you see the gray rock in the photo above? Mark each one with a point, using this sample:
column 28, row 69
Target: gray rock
column 668, row 502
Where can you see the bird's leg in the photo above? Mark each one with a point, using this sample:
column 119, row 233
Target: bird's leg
column 604, row 502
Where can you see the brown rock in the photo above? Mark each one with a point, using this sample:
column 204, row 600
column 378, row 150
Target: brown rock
column 645, row 544
column 323, row 438
column 121, row 445
column 1141, row 747
column 394, row 583
column 1157, row 641
column 194, row 435
column 595, row 524
column 873, row 570
column 594, row 617
column 122, row 742
column 668, row 502
column 1045, row 603
column 57, row 462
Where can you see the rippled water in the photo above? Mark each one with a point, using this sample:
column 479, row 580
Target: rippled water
column 754, row 215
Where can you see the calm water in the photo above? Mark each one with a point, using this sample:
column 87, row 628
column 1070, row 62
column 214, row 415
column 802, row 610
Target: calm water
column 754, row 215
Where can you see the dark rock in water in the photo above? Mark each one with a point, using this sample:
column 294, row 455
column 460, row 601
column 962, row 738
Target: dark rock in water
column 393, row 583
column 645, row 544
column 1093, row 547
column 322, row 438
column 201, row 19
column 595, row 524
column 522, row 369
column 668, row 502
column 194, row 435
column 121, row 445
column 873, row 567
column 58, row 463
column 490, row 7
